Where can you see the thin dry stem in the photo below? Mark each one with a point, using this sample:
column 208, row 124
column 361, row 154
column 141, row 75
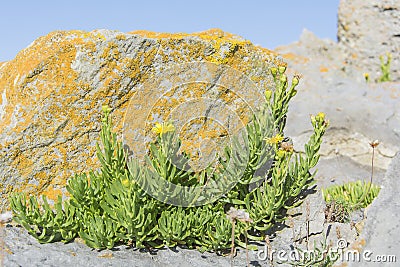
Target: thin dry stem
column 330, row 212
column 269, row 246
column 233, row 241
column 247, row 251
column 373, row 144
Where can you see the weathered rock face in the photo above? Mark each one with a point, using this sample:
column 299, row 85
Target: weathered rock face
column 53, row 91
column 367, row 30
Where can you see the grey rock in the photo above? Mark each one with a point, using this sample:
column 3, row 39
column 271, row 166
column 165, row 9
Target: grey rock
column 22, row 249
column 359, row 112
column 367, row 30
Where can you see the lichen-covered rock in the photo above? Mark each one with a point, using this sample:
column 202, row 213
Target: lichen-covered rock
column 368, row 30
column 53, row 91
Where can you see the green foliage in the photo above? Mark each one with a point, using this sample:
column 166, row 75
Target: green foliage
column 111, row 206
column 349, row 197
column 46, row 225
column 385, row 68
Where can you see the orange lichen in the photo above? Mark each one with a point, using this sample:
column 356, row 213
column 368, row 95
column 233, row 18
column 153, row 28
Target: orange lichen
column 52, row 193
column 223, row 44
column 211, row 34
column 323, row 69
column 358, row 245
column 205, row 129
column 121, row 37
column 41, row 71
column 295, row 58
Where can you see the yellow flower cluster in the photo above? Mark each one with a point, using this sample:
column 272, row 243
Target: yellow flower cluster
column 274, row 139
column 161, row 128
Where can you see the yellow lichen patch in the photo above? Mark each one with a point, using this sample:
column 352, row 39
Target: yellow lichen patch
column 295, row 58
column 87, row 35
column 393, row 92
column 223, row 44
column 49, row 90
column 52, row 193
column 40, row 74
column 29, row 90
column 24, row 163
column 9, row 189
column 111, row 52
column 223, row 51
column 358, row 245
column 211, row 34
column 121, row 37
column 195, row 99
column 202, row 136
column 323, row 69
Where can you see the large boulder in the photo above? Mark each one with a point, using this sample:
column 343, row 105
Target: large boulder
column 53, row 91
column 368, row 30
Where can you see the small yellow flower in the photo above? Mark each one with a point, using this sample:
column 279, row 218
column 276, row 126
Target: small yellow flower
column 320, row 117
column 280, row 154
column 274, row 139
column 163, row 128
column 274, row 71
column 282, row 67
column 366, row 77
column 106, row 109
column 125, row 182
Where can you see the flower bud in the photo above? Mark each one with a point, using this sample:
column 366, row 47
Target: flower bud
column 366, row 77
column 282, row 69
column 374, row 143
column 273, row 71
column 125, row 182
column 295, row 80
column 326, row 123
column 320, row 117
column 283, row 78
column 313, row 120
column 280, row 154
column 268, row 94
column 106, row 109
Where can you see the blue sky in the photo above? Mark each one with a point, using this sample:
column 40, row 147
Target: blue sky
column 267, row 23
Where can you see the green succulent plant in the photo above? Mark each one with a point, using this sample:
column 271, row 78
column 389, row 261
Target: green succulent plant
column 349, row 197
column 385, row 68
column 111, row 206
